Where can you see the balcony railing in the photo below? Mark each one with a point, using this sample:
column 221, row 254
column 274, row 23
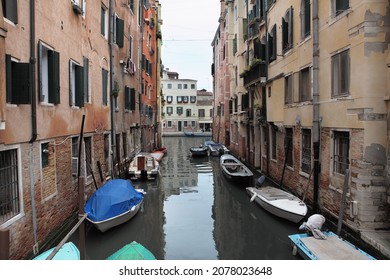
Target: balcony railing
column 254, row 74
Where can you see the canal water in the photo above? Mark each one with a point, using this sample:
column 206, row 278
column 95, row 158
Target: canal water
column 193, row 213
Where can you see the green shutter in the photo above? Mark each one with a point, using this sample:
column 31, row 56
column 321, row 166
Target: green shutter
column 54, row 77
column 104, row 86
column 119, row 32
column 20, row 83
column 8, row 76
column 132, row 99
column 86, row 79
column 79, row 86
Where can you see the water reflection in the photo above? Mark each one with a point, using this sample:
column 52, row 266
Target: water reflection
column 193, row 212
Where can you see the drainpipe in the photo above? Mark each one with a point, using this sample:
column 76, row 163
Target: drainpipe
column 112, row 109
column 316, row 106
column 33, row 122
column 32, row 73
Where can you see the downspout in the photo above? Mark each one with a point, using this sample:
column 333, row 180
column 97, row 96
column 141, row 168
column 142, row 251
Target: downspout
column 316, row 106
column 33, row 122
column 267, row 134
column 112, row 109
column 32, row 73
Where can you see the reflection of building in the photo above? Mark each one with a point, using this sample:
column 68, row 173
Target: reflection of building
column 315, row 99
column 184, row 107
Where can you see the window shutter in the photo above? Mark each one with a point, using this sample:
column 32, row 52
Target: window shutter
column 290, row 27
column 54, row 77
column 8, row 74
column 127, row 98
column 11, row 11
column 86, row 79
column 40, row 72
column 119, row 32
column 79, row 86
column 20, row 83
column 132, row 99
column 104, row 85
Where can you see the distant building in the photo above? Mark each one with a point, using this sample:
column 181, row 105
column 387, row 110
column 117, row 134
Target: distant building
column 184, row 108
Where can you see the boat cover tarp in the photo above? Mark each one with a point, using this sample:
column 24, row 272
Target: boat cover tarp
column 112, row 199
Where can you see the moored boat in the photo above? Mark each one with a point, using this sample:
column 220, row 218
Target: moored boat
column 332, row 247
column 144, row 166
column 197, row 133
column 199, row 151
column 235, row 170
column 68, row 251
column 132, row 251
column 278, row 202
column 216, row 149
column 114, row 203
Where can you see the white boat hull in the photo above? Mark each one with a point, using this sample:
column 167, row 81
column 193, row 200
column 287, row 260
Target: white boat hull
column 117, row 220
column 279, row 203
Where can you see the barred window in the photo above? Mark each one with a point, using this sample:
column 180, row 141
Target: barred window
column 341, row 152
column 273, row 142
column 306, row 151
column 288, row 145
column 9, row 185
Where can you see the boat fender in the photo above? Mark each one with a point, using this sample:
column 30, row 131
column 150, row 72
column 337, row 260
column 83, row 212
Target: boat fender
column 253, row 197
column 260, row 181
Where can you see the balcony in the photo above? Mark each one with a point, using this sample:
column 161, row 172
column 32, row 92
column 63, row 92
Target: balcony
column 254, row 74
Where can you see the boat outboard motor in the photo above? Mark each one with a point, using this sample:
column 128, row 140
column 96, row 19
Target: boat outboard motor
column 260, row 181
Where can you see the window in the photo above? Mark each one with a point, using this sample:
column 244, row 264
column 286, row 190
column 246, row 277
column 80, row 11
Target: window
column 306, row 151
column 192, row 86
column 179, row 99
column 169, row 99
column 288, row 89
column 105, row 86
column 179, row 110
column 9, row 185
column 201, row 113
column 107, row 153
column 193, row 124
column 192, row 99
column 119, row 31
column 339, row 6
column 272, row 44
column 44, row 155
column 131, row 4
column 185, row 86
column 169, row 86
column 305, row 18
column 188, row 112
column 124, row 144
column 130, row 99
column 88, row 156
column 17, row 81
column 10, row 10
column 273, row 142
column 169, row 124
column 104, row 21
column 75, row 156
column 305, row 85
column 185, row 123
column 341, row 152
column 287, row 30
column 185, row 99
column 169, row 110
column 179, row 86
column 49, row 75
column 340, row 74
column 76, row 84
column 289, row 147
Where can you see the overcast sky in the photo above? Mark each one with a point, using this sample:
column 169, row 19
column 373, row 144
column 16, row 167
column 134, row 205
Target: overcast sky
column 187, row 32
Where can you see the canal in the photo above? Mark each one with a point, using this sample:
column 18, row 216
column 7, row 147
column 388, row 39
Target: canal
column 193, row 213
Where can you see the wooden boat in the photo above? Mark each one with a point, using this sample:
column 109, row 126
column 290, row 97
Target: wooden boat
column 216, row 149
column 200, row 151
column 163, row 150
column 132, row 251
column 144, row 166
column 331, row 248
column 235, row 170
column 68, row 251
column 197, row 133
column 114, row 203
column 278, row 202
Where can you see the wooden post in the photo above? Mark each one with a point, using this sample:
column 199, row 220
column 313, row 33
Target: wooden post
column 81, row 213
column 4, row 244
column 342, row 204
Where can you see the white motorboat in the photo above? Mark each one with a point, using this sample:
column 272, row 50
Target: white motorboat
column 144, row 166
column 278, row 202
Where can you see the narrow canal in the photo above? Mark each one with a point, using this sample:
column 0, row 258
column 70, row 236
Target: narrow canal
column 193, row 213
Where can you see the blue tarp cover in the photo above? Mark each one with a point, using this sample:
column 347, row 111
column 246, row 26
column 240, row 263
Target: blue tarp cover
column 112, row 199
